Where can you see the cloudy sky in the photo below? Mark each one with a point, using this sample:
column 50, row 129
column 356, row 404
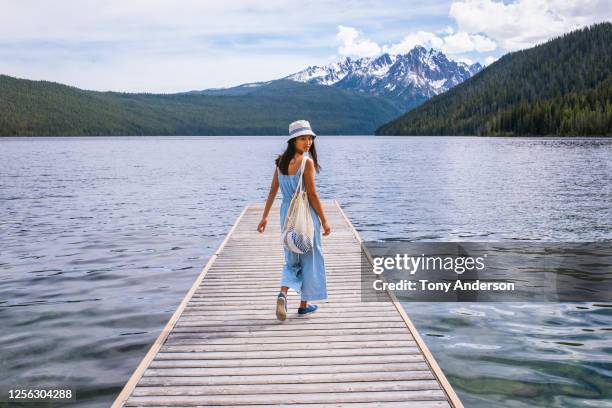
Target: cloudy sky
column 173, row 46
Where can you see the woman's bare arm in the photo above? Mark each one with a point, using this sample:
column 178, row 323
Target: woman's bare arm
column 271, row 196
column 313, row 196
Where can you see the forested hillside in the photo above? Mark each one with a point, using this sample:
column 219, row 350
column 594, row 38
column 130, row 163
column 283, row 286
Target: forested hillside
column 47, row 108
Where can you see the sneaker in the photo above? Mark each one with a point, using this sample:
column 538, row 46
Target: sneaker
column 302, row 311
column 281, row 306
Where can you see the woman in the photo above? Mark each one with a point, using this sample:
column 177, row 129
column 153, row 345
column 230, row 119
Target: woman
column 304, row 273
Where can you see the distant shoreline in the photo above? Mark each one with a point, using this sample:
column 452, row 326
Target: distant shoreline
column 339, row 135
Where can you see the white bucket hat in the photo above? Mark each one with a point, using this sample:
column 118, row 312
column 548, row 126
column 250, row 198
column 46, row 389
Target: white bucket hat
column 300, row 128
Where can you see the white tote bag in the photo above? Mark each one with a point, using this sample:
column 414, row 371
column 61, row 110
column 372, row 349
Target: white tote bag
column 298, row 229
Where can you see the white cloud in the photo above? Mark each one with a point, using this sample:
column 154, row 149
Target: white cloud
column 525, row 23
column 424, row 38
column 352, row 43
column 465, row 60
column 489, row 25
column 452, row 44
column 448, row 30
column 464, row 42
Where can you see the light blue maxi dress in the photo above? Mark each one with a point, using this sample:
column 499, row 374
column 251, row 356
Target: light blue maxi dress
column 304, row 273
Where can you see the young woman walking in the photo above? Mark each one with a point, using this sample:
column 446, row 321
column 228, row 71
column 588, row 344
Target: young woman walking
column 304, row 273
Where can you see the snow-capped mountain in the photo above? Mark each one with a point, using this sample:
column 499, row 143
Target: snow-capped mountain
column 407, row 79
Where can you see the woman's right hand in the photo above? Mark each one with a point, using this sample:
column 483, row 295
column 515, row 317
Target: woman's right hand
column 262, row 225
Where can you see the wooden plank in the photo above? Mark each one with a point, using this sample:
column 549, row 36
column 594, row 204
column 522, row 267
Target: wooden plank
column 393, row 331
column 292, row 378
column 293, row 361
column 224, row 346
column 278, row 347
column 288, row 388
column 255, row 399
column 190, row 312
column 286, row 370
column 314, row 341
column 378, row 404
column 330, row 308
column 383, row 404
column 306, row 324
column 166, row 354
column 185, row 321
column 395, row 404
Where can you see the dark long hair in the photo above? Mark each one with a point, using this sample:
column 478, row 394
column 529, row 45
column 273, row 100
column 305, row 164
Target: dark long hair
column 282, row 161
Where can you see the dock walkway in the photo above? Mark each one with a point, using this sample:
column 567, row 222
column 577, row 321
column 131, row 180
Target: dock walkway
column 224, row 346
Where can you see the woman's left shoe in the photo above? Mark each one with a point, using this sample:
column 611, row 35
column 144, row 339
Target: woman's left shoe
column 281, row 306
column 307, row 310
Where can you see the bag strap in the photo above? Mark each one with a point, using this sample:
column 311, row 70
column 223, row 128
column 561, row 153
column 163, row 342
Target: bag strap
column 302, row 166
column 299, row 187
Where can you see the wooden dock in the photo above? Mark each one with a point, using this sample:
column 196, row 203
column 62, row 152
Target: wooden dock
column 224, row 346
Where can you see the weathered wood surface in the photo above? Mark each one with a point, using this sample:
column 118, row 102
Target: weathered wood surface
column 224, row 346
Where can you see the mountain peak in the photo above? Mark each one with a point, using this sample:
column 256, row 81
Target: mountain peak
column 475, row 67
column 410, row 78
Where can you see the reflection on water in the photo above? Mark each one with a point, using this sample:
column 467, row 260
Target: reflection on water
column 102, row 237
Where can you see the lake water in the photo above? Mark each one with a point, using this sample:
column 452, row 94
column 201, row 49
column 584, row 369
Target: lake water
column 101, row 238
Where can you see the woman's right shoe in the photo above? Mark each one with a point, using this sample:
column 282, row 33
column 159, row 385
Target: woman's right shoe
column 281, row 306
column 302, row 311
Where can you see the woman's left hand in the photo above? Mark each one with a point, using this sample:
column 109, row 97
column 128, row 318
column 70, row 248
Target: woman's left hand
column 262, row 225
column 326, row 228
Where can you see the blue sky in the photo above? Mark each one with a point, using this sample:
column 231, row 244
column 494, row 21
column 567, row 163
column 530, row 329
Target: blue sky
column 166, row 46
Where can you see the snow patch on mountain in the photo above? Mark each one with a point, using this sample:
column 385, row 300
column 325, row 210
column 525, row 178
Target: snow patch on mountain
column 408, row 79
